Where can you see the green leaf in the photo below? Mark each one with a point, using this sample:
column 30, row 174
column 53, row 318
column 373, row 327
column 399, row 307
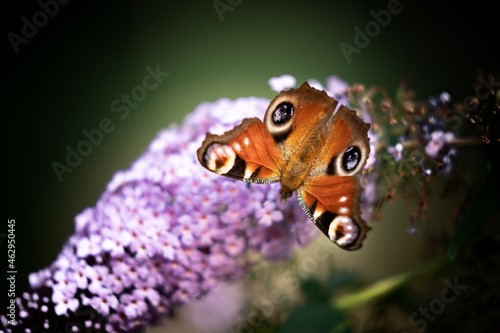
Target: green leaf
column 483, row 206
column 385, row 286
column 313, row 317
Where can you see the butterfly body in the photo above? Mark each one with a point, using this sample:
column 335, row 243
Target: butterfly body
column 312, row 147
column 302, row 157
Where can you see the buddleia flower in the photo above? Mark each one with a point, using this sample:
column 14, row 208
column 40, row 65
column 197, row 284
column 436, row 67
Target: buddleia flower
column 164, row 232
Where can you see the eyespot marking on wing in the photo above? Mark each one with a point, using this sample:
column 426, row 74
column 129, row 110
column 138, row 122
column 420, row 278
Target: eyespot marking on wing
column 220, row 158
column 343, row 231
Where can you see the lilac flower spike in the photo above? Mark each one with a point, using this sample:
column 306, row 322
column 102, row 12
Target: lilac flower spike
column 164, row 232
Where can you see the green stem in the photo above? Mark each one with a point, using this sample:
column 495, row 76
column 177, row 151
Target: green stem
column 386, row 286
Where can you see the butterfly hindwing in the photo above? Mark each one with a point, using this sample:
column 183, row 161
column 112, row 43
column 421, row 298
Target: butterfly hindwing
column 332, row 203
column 247, row 152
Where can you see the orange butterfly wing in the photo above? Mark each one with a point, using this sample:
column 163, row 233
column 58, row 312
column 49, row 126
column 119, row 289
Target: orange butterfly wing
column 247, row 152
column 332, row 203
column 330, row 197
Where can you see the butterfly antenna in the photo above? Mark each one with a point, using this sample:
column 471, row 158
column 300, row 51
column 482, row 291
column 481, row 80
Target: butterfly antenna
column 329, row 121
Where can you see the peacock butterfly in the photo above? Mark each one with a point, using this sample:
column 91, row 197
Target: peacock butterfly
column 311, row 145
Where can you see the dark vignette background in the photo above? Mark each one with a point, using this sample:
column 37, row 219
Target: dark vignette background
column 66, row 77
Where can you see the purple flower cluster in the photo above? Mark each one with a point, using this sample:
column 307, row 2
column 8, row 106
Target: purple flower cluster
column 163, row 233
column 436, row 143
column 426, row 128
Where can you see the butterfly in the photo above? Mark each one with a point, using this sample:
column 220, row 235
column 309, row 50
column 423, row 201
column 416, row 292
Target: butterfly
column 313, row 146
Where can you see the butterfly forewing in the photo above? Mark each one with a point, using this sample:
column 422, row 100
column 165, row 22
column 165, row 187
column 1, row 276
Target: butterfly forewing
column 247, row 153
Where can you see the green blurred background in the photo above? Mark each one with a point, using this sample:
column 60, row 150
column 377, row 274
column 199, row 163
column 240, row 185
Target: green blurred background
column 65, row 78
